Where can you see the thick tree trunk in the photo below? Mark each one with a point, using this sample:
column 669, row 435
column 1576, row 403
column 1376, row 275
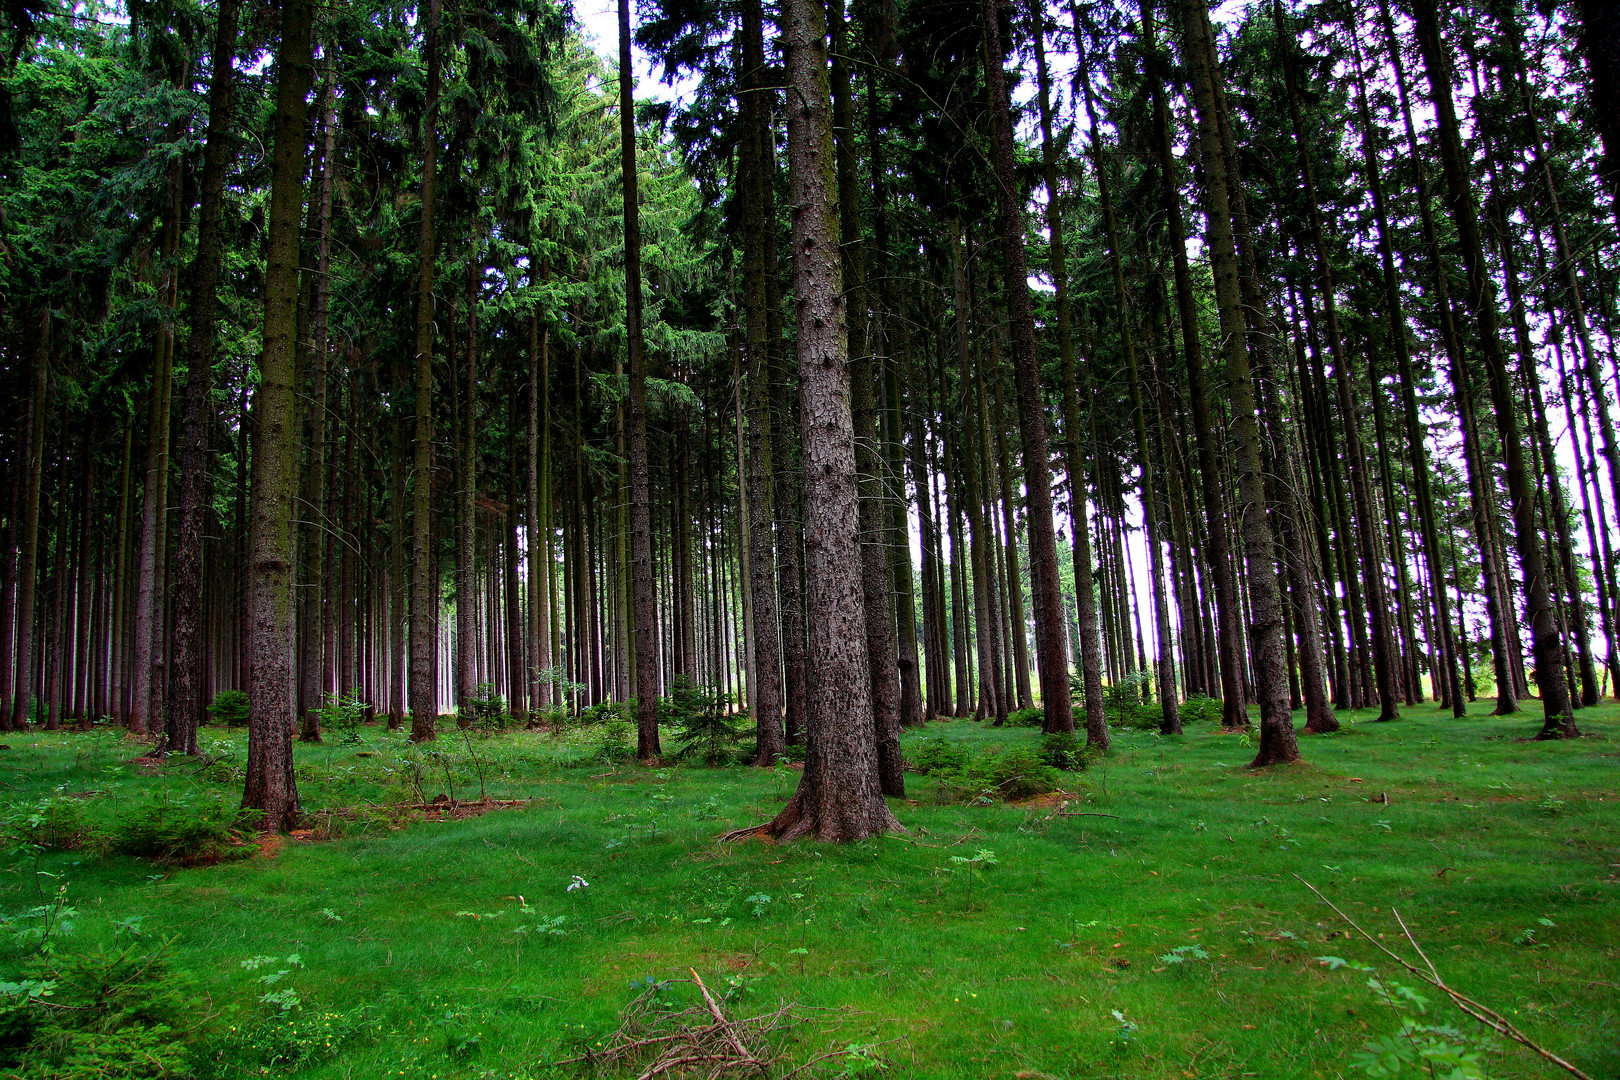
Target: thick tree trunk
column 270, row 786
column 1046, row 599
column 838, row 797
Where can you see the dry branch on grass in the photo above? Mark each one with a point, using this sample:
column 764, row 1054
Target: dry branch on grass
column 660, row 1039
column 1483, row 1013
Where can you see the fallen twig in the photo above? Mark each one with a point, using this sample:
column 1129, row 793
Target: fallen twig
column 1483, row 1013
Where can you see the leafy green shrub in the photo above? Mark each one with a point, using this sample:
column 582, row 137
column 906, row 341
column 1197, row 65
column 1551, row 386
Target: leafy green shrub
column 1062, row 750
column 940, row 757
column 796, row 751
column 1035, row 717
column 177, row 831
column 229, row 707
column 1199, row 709
column 1145, row 717
column 1014, row 773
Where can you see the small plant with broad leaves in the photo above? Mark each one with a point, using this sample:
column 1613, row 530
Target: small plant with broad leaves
column 286, row 998
column 1531, row 935
column 862, row 1059
column 1124, row 1034
column 1418, row 1047
column 1184, row 954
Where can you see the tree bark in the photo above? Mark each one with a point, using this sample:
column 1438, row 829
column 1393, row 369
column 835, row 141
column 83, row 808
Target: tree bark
column 185, row 704
column 28, row 565
column 1546, row 645
column 755, row 149
column 838, row 797
column 270, row 786
column 424, row 685
column 1046, row 599
column 1277, row 740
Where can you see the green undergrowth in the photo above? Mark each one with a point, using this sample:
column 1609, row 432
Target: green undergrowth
column 1148, row 919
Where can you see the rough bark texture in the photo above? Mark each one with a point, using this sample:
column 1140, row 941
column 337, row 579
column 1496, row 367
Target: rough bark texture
column 270, row 786
column 1047, row 605
column 185, row 705
column 838, row 798
column 424, row 689
column 765, row 671
column 28, row 569
column 1277, row 740
column 641, row 568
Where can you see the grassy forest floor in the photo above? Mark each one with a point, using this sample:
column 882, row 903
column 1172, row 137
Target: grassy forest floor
column 995, row 940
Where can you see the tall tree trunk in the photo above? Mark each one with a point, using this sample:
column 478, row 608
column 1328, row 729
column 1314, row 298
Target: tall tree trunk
column 838, row 797
column 24, row 643
column 468, row 636
column 270, row 786
column 1366, row 530
column 314, row 604
column 1558, row 719
column 765, row 665
column 537, row 538
column 1277, row 740
column 424, row 683
column 1090, row 659
column 1228, row 617
column 1443, row 659
column 185, row 710
column 880, row 642
column 1046, row 599
column 641, row 569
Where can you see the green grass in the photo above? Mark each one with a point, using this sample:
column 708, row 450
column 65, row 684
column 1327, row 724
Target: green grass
column 412, row 966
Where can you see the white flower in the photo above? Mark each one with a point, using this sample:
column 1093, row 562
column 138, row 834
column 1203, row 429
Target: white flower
column 578, row 883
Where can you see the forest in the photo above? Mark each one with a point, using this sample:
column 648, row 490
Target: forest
column 1108, row 505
